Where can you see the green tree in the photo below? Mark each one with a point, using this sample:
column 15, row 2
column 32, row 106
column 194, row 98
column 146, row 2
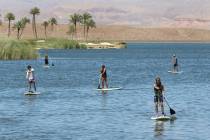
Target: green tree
column 85, row 17
column 9, row 17
column 45, row 24
column 74, row 19
column 20, row 25
column 24, row 21
column 90, row 24
column 53, row 22
column 34, row 11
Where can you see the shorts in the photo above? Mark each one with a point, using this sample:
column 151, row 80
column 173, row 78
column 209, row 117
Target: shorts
column 175, row 65
column 31, row 80
column 104, row 78
column 158, row 98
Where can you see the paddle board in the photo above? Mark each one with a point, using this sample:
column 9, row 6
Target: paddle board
column 163, row 117
column 31, row 93
column 175, row 72
column 108, row 89
column 46, row 66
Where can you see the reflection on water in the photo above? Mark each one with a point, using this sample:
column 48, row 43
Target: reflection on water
column 30, row 99
column 104, row 99
column 159, row 128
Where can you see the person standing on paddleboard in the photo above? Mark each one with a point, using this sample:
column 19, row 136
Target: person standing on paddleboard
column 158, row 98
column 46, row 61
column 103, row 76
column 175, row 63
column 30, row 77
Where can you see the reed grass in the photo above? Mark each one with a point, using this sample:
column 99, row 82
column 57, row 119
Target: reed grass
column 11, row 49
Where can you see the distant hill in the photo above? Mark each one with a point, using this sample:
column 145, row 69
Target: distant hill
column 147, row 13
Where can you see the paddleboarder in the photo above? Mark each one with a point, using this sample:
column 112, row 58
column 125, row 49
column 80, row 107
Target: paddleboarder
column 104, row 76
column 31, row 78
column 175, row 63
column 158, row 98
column 46, row 61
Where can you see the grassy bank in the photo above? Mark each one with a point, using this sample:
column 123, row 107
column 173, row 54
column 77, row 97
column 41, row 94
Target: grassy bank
column 11, row 49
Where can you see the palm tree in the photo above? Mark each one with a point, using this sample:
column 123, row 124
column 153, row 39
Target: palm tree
column 24, row 21
column 74, row 19
column 9, row 17
column 20, row 25
column 45, row 24
column 85, row 17
column 90, row 24
column 53, row 22
column 71, row 30
column 34, row 11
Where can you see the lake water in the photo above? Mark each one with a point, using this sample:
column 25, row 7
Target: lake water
column 69, row 107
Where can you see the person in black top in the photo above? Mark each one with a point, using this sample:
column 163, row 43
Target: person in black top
column 46, row 61
column 104, row 76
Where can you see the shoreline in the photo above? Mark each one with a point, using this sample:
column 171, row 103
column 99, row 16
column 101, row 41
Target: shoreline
column 166, row 41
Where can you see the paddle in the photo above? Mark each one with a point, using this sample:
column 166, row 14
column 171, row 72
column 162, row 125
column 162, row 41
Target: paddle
column 172, row 112
column 99, row 82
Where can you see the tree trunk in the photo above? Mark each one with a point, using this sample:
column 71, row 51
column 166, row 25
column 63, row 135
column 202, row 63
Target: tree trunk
column 87, row 33
column 52, row 27
column 75, row 26
column 9, row 27
column 33, row 24
column 21, row 32
column 18, row 34
column 35, row 27
column 84, row 30
column 45, row 31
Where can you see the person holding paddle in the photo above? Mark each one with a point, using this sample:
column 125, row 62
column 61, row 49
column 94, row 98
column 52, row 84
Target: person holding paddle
column 158, row 98
column 103, row 76
column 30, row 77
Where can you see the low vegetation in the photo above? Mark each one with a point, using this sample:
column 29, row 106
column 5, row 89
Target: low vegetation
column 55, row 43
column 16, row 50
column 13, row 49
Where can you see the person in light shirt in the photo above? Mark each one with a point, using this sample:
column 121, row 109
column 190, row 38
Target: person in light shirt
column 175, row 63
column 31, row 78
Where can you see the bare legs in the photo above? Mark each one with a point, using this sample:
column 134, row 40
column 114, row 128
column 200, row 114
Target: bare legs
column 34, row 85
column 104, row 80
column 157, row 104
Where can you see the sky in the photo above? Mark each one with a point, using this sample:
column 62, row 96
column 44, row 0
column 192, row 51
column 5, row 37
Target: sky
column 149, row 13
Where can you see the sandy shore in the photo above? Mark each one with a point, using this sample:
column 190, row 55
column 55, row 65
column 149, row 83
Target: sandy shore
column 121, row 33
